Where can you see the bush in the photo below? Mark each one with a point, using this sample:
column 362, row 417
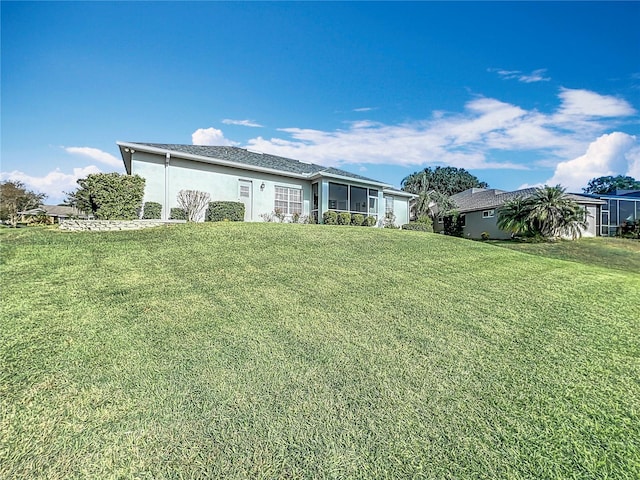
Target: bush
column 193, row 202
column 225, row 211
column 369, row 221
column 344, row 218
column 357, row 219
column 330, row 217
column 426, row 220
column 389, row 220
column 152, row 210
column 484, row 235
column 177, row 214
column 109, row 196
column 418, row 226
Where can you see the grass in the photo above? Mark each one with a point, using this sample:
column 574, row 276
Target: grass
column 299, row 351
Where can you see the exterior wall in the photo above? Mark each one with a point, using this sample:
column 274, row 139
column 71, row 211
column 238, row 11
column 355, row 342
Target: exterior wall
column 475, row 224
column 592, row 221
column 220, row 182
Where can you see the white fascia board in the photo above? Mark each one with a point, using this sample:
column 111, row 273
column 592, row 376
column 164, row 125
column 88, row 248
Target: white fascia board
column 348, row 179
column 216, row 161
column 398, row 193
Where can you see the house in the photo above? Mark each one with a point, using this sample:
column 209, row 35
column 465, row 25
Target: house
column 479, row 209
column 264, row 183
column 54, row 213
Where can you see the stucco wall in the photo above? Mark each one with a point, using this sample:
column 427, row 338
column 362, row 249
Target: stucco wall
column 220, row 182
column 475, row 225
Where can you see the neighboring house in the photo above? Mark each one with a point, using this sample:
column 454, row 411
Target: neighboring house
column 264, row 183
column 618, row 207
column 479, row 208
column 55, row 213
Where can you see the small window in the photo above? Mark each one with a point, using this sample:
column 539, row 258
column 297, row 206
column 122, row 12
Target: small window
column 388, row 204
column 288, row 200
column 488, row 213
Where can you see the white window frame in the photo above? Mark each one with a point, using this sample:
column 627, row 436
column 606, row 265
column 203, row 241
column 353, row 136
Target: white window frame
column 489, row 213
column 288, row 205
column 388, row 204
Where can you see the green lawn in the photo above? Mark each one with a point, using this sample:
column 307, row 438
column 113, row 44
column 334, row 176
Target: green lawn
column 302, row 351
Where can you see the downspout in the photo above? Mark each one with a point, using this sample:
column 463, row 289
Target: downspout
column 165, row 210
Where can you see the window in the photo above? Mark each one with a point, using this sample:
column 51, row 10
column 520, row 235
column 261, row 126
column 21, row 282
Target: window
column 488, row 213
column 288, row 200
column 358, row 199
column 388, row 204
column 338, row 196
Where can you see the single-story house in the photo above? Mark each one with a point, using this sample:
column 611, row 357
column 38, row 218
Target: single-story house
column 264, row 183
column 479, row 209
column 54, row 213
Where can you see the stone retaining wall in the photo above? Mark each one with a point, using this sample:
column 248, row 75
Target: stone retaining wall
column 112, row 225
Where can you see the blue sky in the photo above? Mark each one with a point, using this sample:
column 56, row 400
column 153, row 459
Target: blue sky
column 517, row 93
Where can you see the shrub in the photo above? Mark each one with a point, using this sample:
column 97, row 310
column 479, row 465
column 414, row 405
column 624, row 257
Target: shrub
column 280, row 215
column 267, row 217
column 225, row 211
column 330, row 217
column 193, row 202
column 357, row 219
column 177, row 214
column 152, row 210
column 426, row 221
column 420, row 227
column 484, row 235
column 344, row 218
column 389, row 220
column 369, row 221
column 109, row 196
column 295, row 217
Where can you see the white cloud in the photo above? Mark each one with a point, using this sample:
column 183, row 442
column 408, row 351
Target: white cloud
column 210, row 136
column 54, row 183
column 363, row 109
column 97, row 155
column 243, row 123
column 611, row 154
column 591, row 104
column 535, row 76
column 468, row 139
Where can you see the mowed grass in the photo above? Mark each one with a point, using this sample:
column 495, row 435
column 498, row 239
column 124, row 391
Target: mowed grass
column 300, row 351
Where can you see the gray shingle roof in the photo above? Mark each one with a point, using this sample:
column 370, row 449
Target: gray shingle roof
column 482, row 199
column 255, row 159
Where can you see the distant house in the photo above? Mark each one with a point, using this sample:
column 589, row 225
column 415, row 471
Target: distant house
column 264, row 183
column 54, row 213
column 479, row 209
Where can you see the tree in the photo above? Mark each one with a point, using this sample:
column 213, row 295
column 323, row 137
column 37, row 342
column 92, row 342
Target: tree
column 444, row 180
column 549, row 213
column 109, row 196
column 194, row 203
column 14, row 198
column 601, row 185
column 435, row 186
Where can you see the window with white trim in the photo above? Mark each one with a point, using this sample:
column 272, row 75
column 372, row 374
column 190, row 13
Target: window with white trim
column 488, row 213
column 388, row 204
column 288, row 200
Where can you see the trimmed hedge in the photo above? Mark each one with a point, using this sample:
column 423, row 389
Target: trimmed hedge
column 152, row 211
column 330, row 217
column 177, row 214
column 344, row 218
column 225, row 211
column 369, row 221
column 420, row 227
column 357, row 219
column 109, row 196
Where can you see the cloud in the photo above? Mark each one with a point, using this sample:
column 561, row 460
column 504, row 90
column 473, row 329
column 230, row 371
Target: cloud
column 244, row 123
column 469, row 139
column 210, row 136
column 97, row 155
column 535, row 76
column 363, row 109
column 610, row 154
column 584, row 103
column 54, row 183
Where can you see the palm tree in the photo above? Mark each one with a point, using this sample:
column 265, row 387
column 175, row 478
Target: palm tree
column 554, row 214
column 549, row 212
column 513, row 216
